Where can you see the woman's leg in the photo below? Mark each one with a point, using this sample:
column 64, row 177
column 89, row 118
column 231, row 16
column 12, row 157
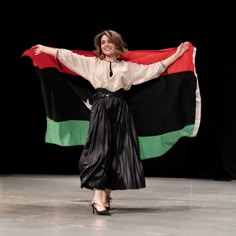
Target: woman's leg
column 98, row 199
column 107, row 198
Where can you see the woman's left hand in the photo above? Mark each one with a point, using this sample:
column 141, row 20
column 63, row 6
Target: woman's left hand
column 182, row 48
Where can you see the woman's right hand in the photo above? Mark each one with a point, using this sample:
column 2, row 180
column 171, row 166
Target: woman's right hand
column 38, row 48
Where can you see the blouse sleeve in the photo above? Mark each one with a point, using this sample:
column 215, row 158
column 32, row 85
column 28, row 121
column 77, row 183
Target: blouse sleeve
column 140, row 73
column 79, row 64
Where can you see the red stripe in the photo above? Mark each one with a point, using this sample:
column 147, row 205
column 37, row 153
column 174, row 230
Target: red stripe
column 185, row 63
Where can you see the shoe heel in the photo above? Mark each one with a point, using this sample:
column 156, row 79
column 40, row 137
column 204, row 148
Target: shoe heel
column 92, row 205
column 102, row 212
column 109, row 203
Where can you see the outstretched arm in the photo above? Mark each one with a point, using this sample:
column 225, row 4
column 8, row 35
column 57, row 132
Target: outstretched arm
column 80, row 64
column 44, row 49
column 179, row 52
column 142, row 73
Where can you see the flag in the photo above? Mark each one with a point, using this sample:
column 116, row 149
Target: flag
column 164, row 109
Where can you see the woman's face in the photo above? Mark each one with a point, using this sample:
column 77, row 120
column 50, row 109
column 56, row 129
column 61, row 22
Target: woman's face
column 107, row 47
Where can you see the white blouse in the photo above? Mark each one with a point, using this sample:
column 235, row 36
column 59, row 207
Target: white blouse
column 97, row 71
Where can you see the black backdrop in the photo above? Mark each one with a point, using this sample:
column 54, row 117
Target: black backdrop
column 210, row 155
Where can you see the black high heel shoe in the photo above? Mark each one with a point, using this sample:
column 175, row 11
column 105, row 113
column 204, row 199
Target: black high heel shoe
column 109, row 204
column 102, row 212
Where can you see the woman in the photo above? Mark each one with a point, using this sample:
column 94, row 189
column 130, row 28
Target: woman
column 110, row 159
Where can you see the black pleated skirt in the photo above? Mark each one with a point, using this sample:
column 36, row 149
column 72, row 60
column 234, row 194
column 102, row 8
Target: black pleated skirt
column 111, row 158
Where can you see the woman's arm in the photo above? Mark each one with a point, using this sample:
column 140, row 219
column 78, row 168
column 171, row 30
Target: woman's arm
column 142, row 73
column 81, row 65
column 44, row 49
column 179, row 52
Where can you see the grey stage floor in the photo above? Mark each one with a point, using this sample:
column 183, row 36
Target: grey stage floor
column 55, row 205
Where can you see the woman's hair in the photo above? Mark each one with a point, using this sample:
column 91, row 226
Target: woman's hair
column 115, row 38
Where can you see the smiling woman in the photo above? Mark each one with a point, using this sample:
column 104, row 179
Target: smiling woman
column 109, row 45
column 111, row 158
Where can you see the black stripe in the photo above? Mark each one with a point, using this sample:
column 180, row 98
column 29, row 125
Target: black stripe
column 162, row 105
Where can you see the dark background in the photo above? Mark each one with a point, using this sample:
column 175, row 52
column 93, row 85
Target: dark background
column 209, row 155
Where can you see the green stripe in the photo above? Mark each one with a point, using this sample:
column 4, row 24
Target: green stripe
column 74, row 132
column 155, row 146
column 67, row 133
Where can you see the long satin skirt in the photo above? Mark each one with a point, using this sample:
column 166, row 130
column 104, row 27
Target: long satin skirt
column 111, row 158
